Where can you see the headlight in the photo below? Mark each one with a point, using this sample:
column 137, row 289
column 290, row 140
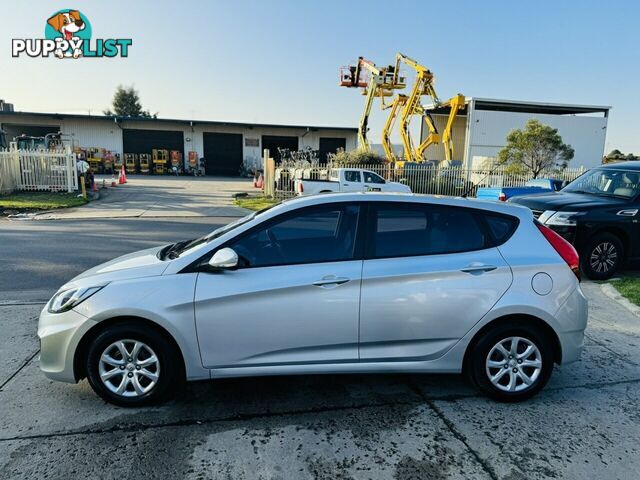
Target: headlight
column 561, row 219
column 67, row 299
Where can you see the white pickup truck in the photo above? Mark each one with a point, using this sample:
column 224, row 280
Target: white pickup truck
column 349, row 180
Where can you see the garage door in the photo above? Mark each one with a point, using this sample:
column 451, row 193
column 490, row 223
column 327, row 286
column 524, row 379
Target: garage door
column 143, row 141
column 222, row 153
column 330, row 145
column 273, row 142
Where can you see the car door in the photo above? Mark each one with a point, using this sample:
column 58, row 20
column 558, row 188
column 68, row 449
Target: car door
column 294, row 298
column 429, row 275
column 351, row 181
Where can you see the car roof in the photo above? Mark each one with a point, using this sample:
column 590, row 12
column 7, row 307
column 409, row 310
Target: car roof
column 633, row 165
column 493, row 206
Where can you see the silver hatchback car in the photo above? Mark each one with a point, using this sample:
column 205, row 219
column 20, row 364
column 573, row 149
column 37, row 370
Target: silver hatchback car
column 337, row 283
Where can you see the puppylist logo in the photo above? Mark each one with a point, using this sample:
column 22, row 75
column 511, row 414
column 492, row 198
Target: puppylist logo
column 67, row 34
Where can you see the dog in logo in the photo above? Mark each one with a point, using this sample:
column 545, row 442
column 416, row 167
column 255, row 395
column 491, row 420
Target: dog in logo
column 67, row 24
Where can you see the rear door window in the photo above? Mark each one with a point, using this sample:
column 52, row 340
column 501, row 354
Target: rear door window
column 352, row 176
column 401, row 230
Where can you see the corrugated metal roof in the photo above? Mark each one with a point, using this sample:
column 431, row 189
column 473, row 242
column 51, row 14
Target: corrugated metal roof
column 60, row 116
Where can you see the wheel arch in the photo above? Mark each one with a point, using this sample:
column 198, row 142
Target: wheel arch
column 81, row 352
column 537, row 322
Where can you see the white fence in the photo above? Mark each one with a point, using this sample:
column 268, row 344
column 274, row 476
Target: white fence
column 426, row 179
column 37, row 170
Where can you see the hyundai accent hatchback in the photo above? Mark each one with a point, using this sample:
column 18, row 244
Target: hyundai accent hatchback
column 337, row 283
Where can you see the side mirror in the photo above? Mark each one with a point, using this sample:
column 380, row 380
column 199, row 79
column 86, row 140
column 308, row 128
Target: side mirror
column 224, row 259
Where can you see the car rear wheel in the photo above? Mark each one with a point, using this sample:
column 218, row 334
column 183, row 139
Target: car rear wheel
column 511, row 363
column 131, row 365
column 602, row 256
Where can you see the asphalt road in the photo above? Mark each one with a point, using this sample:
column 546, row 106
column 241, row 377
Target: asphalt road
column 585, row 424
column 37, row 257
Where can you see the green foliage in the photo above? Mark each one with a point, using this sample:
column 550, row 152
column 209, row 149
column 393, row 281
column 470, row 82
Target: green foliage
column 629, row 287
column 126, row 103
column 358, row 157
column 617, row 156
column 537, row 147
column 41, row 200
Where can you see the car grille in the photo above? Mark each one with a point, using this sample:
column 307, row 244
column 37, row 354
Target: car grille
column 537, row 213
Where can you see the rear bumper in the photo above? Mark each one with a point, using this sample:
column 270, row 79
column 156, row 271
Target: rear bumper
column 572, row 318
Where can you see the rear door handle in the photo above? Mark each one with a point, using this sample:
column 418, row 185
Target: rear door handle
column 329, row 280
column 478, row 268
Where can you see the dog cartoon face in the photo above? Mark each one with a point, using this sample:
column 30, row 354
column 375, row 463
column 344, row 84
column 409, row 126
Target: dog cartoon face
column 67, row 23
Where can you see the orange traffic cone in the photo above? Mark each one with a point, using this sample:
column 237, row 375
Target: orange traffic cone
column 94, row 188
column 113, row 179
column 123, row 174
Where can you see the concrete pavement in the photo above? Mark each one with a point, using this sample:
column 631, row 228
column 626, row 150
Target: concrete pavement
column 161, row 196
column 585, row 424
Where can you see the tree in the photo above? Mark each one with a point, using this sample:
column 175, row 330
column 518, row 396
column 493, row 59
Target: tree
column 537, row 147
column 126, row 103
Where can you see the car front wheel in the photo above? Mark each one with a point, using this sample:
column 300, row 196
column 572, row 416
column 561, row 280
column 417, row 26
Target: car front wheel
column 511, row 363
column 130, row 365
column 602, row 256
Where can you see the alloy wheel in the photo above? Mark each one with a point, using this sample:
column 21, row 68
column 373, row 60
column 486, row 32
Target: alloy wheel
column 514, row 364
column 129, row 368
column 603, row 257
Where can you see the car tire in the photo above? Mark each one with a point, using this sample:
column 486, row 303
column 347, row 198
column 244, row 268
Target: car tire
column 487, row 361
column 152, row 372
column 602, row 256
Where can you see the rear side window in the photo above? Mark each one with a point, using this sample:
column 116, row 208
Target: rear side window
column 402, row 230
column 501, row 227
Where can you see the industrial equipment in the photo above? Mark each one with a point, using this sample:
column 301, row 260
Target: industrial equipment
column 145, row 160
column 375, row 82
column 160, row 160
column 412, row 105
column 131, row 162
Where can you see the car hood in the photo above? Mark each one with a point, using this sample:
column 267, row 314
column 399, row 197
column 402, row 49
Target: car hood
column 566, row 201
column 144, row 263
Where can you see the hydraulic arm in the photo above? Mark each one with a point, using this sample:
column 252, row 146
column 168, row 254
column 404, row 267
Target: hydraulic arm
column 376, row 82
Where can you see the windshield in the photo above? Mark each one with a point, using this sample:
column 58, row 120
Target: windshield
column 607, row 182
column 177, row 249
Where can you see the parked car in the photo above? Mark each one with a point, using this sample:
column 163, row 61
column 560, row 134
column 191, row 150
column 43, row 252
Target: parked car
column 337, row 283
column 598, row 214
column 349, row 180
column 533, row 186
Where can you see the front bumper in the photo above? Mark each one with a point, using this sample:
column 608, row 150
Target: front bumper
column 60, row 334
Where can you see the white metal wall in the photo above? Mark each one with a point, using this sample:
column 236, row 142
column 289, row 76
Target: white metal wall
column 458, row 134
column 586, row 134
column 103, row 133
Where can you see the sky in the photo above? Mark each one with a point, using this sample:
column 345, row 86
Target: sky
column 276, row 61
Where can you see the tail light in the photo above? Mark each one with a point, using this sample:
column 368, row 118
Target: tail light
column 502, row 197
column 300, row 187
column 564, row 248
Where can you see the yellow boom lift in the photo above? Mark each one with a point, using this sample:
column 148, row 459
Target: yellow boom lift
column 375, row 82
column 412, row 105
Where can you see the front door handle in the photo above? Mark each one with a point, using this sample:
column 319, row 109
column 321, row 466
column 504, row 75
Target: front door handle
column 330, row 280
column 478, row 268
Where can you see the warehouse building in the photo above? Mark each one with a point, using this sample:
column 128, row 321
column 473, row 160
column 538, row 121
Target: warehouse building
column 225, row 146
column 481, row 128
